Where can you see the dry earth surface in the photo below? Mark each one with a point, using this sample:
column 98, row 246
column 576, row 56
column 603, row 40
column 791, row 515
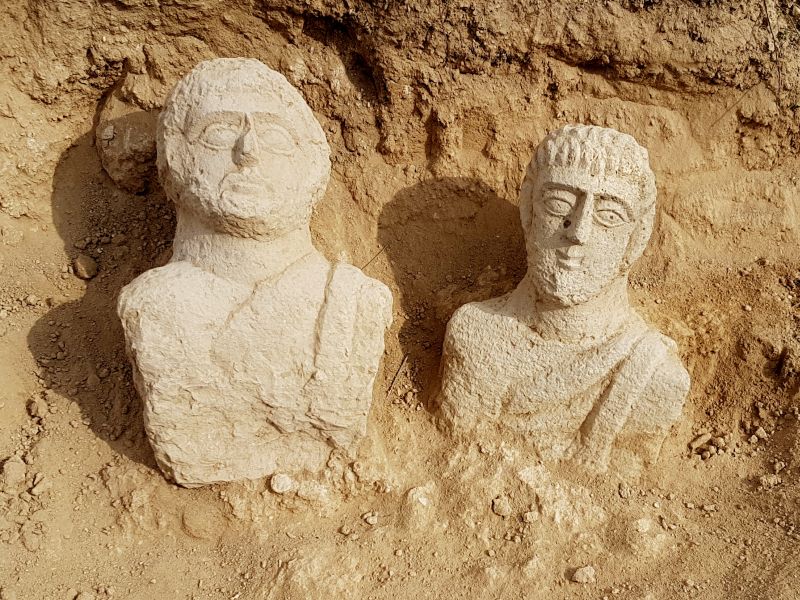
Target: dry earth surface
column 432, row 110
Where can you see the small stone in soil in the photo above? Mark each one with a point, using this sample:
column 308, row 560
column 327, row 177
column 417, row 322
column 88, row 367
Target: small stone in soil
column 584, row 575
column 85, row 266
column 530, row 516
column 34, row 410
column 501, row 506
column 41, row 487
column 14, row 472
column 7, row 594
column 699, row 441
column 624, row 490
column 31, row 541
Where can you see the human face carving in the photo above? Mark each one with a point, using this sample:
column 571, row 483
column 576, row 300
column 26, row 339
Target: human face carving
column 244, row 160
column 580, row 233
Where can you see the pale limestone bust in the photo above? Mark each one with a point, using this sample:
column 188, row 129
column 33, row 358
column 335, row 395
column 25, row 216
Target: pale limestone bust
column 252, row 353
column 563, row 362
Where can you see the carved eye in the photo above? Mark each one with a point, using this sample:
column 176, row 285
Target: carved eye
column 558, row 207
column 220, row 136
column 609, row 218
column 609, row 213
column 274, row 138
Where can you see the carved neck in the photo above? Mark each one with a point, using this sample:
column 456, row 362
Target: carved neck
column 246, row 260
column 593, row 321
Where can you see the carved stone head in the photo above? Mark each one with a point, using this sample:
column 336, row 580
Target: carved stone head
column 587, row 205
column 239, row 147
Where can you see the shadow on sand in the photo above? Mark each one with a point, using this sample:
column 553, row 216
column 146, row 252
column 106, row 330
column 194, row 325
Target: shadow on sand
column 449, row 241
column 79, row 345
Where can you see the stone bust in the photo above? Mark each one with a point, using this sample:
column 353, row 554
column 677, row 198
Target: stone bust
column 252, row 353
column 563, row 361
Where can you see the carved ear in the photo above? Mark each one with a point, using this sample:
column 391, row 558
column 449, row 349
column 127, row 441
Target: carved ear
column 639, row 237
column 171, row 151
column 526, row 204
column 321, row 169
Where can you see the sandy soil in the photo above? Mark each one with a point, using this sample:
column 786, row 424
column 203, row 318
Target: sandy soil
column 432, row 110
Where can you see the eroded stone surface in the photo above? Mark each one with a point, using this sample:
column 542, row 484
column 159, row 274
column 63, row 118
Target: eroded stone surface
column 125, row 142
column 252, row 353
column 563, row 361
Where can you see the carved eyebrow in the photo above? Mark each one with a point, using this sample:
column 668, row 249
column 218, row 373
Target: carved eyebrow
column 563, row 187
column 195, row 126
column 623, row 204
column 274, row 119
column 616, row 200
column 270, row 118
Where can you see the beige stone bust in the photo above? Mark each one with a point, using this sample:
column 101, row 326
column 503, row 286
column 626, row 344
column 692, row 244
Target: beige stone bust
column 252, row 353
column 563, row 361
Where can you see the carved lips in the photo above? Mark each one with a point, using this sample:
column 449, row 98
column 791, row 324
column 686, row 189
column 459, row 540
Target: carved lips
column 245, row 183
column 570, row 258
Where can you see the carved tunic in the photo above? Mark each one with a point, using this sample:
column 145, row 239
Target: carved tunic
column 565, row 400
column 296, row 361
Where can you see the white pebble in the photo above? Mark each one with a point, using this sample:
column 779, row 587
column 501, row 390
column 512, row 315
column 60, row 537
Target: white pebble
column 280, row 483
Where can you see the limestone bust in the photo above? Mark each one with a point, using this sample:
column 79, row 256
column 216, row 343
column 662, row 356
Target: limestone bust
column 563, row 361
column 252, row 353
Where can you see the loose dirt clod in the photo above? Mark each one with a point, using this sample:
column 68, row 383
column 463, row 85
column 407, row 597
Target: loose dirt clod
column 14, row 473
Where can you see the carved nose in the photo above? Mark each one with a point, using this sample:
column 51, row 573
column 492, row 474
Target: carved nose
column 246, row 154
column 578, row 225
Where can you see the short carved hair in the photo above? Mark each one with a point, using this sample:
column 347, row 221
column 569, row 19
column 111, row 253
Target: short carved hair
column 598, row 150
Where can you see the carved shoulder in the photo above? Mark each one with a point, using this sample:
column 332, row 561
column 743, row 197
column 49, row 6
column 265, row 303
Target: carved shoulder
column 468, row 393
column 154, row 288
column 662, row 398
column 349, row 346
column 373, row 296
column 176, row 296
column 377, row 297
column 470, row 328
column 138, row 294
column 352, row 322
column 659, row 406
column 463, row 320
column 670, row 383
